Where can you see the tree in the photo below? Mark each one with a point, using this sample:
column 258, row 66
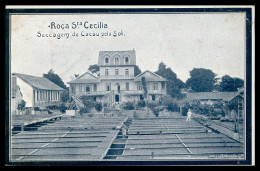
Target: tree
column 55, row 79
column 144, row 87
column 174, row 84
column 94, row 68
column 64, row 96
column 201, row 80
column 137, row 70
column 229, row 84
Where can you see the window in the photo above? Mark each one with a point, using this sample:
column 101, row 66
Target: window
column 106, row 60
column 87, row 88
column 116, row 72
column 80, row 87
column 116, row 60
column 73, row 88
column 126, row 72
column 140, row 87
column 126, row 60
column 108, row 86
column 106, row 72
column 153, row 97
column 95, row 87
column 127, row 86
column 155, row 86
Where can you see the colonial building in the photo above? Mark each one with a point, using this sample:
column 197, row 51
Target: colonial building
column 36, row 91
column 210, row 97
column 116, row 81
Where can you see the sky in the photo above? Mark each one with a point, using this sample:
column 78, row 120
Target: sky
column 213, row 41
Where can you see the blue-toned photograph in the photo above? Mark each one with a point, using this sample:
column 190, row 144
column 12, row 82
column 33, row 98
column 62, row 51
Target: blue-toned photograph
column 130, row 85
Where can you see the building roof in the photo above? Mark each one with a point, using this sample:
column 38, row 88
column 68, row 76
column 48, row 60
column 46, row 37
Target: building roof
column 226, row 96
column 121, row 54
column 84, row 81
column 87, row 77
column 38, row 82
column 149, row 76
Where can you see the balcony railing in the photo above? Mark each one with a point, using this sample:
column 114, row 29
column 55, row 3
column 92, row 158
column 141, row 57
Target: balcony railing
column 127, row 92
column 116, row 76
column 91, row 93
column 157, row 91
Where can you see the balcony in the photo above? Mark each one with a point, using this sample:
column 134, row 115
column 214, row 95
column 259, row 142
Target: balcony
column 163, row 91
column 116, row 76
column 133, row 92
column 91, row 93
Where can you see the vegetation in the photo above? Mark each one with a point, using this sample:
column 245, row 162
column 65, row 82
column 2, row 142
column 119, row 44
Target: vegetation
column 21, row 105
column 128, row 105
column 229, row 84
column 141, row 103
column 94, row 68
column 58, row 81
column 84, row 110
column 137, row 70
column 185, row 107
column 98, row 106
column 62, row 108
column 144, row 87
column 213, row 110
column 64, row 96
column 170, row 103
column 201, row 80
column 55, row 79
column 174, row 85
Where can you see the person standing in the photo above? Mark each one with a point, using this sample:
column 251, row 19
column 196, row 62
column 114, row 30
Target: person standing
column 189, row 115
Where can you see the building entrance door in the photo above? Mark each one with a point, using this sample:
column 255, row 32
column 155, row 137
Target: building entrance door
column 116, row 98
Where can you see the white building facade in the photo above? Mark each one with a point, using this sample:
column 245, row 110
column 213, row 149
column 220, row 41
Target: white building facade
column 37, row 91
column 116, row 81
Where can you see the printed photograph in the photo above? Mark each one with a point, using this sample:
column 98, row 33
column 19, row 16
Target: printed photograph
column 162, row 85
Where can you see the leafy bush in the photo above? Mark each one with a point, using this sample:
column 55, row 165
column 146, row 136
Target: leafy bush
column 62, row 108
column 21, row 105
column 173, row 106
column 64, row 96
column 98, row 106
column 128, row 106
column 185, row 108
column 170, row 103
column 157, row 110
column 152, row 104
column 87, row 101
column 36, row 108
column 84, row 110
column 141, row 104
column 184, row 111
